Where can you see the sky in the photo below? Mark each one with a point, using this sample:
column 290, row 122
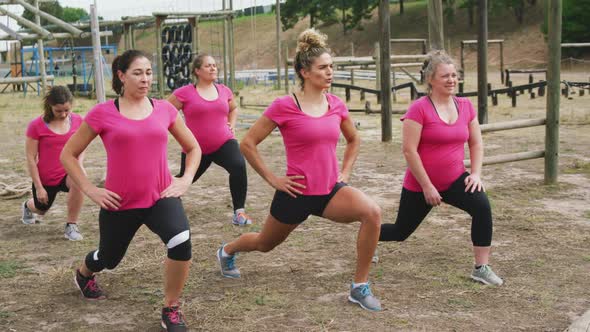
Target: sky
column 114, row 9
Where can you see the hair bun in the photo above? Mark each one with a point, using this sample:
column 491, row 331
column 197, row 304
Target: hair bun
column 311, row 38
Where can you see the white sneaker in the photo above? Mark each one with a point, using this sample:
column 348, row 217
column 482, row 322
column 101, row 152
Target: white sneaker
column 486, row 276
column 28, row 215
column 72, row 232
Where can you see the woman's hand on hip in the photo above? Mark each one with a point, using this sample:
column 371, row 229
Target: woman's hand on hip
column 288, row 185
column 106, row 199
column 177, row 188
column 473, row 182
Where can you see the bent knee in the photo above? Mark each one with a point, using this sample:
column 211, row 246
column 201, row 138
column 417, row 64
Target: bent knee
column 180, row 247
column 372, row 214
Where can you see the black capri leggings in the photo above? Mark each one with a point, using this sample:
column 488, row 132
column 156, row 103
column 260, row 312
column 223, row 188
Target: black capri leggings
column 413, row 209
column 230, row 158
column 117, row 228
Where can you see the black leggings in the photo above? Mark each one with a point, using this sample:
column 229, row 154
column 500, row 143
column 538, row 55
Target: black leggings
column 117, row 228
column 413, row 209
column 230, row 158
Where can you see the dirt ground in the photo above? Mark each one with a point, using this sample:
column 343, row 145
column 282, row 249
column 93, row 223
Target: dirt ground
column 541, row 244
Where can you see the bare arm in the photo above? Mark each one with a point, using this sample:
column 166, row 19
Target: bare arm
column 232, row 117
column 353, row 143
column 174, row 101
column 70, row 160
column 411, row 132
column 31, row 152
column 257, row 133
column 473, row 181
column 188, row 142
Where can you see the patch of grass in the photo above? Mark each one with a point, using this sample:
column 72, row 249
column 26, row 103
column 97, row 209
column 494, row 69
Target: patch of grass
column 4, row 314
column 586, row 258
column 260, row 300
column 577, row 167
column 587, row 214
column 461, row 303
column 8, row 269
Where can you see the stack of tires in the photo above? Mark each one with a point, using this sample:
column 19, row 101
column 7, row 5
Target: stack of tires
column 177, row 55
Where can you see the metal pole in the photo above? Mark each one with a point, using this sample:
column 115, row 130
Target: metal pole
column 278, row 11
column 435, row 25
column 482, row 62
column 96, row 55
column 385, row 53
column 41, row 53
column 553, row 91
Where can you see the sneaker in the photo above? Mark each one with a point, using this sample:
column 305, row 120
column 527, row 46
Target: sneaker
column 28, row 216
column 173, row 319
column 486, row 276
column 375, row 258
column 363, row 296
column 241, row 219
column 88, row 287
column 72, row 232
column 227, row 265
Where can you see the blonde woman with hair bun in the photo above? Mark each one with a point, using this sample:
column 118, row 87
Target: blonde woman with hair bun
column 310, row 121
column 435, row 130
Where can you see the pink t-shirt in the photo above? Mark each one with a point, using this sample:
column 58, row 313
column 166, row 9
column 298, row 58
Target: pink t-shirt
column 137, row 165
column 207, row 119
column 50, row 169
column 310, row 142
column 442, row 145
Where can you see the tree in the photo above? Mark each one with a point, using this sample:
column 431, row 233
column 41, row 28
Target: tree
column 71, row 14
column 52, row 8
column 349, row 13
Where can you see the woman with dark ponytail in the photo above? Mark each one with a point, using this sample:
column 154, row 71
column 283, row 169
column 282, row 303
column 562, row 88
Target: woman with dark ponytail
column 311, row 121
column 210, row 112
column 139, row 188
column 46, row 137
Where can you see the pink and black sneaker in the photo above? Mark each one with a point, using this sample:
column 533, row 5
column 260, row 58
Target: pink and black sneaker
column 173, row 319
column 88, row 287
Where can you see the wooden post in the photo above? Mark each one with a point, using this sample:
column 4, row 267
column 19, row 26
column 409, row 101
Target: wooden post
column 160, row 63
column 132, row 36
column 377, row 56
column 502, row 61
column 482, row 62
column 224, row 44
column 347, row 94
column 232, row 58
column 96, row 55
column 435, row 25
column 194, row 22
column 507, row 77
column 127, row 42
column 287, row 69
column 385, row 67
column 352, row 76
column 553, row 82
column 278, row 12
column 41, row 52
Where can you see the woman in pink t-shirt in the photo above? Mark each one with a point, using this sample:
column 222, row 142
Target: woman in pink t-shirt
column 435, row 130
column 46, row 137
column 139, row 189
column 310, row 122
column 210, row 112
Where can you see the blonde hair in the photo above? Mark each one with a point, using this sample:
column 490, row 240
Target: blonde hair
column 433, row 59
column 310, row 45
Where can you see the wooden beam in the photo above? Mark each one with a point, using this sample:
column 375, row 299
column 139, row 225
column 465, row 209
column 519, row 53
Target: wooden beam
column 10, row 32
column 482, row 62
column 385, row 69
column 498, row 126
column 24, row 22
column 435, row 25
column 510, row 157
column 26, row 79
column 66, row 26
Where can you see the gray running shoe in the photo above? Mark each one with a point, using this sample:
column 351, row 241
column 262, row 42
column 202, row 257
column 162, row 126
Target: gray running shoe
column 486, row 276
column 363, row 296
column 227, row 265
column 72, row 232
column 241, row 219
column 28, row 216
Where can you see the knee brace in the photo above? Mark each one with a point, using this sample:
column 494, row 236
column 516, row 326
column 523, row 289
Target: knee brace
column 179, row 247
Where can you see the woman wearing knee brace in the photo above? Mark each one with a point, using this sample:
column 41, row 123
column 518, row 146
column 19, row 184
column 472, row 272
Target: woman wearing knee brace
column 310, row 121
column 46, row 137
column 210, row 112
column 139, row 188
column 435, row 130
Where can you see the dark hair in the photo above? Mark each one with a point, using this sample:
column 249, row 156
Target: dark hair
column 198, row 62
column 310, row 45
column 122, row 63
column 56, row 95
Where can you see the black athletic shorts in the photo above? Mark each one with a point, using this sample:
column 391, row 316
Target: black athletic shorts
column 289, row 210
column 51, row 193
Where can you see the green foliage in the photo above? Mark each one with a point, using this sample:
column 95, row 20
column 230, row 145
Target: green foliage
column 8, row 269
column 52, row 8
column 71, row 14
column 348, row 13
column 575, row 18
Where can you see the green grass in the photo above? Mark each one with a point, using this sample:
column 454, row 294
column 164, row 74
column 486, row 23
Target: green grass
column 8, row 269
